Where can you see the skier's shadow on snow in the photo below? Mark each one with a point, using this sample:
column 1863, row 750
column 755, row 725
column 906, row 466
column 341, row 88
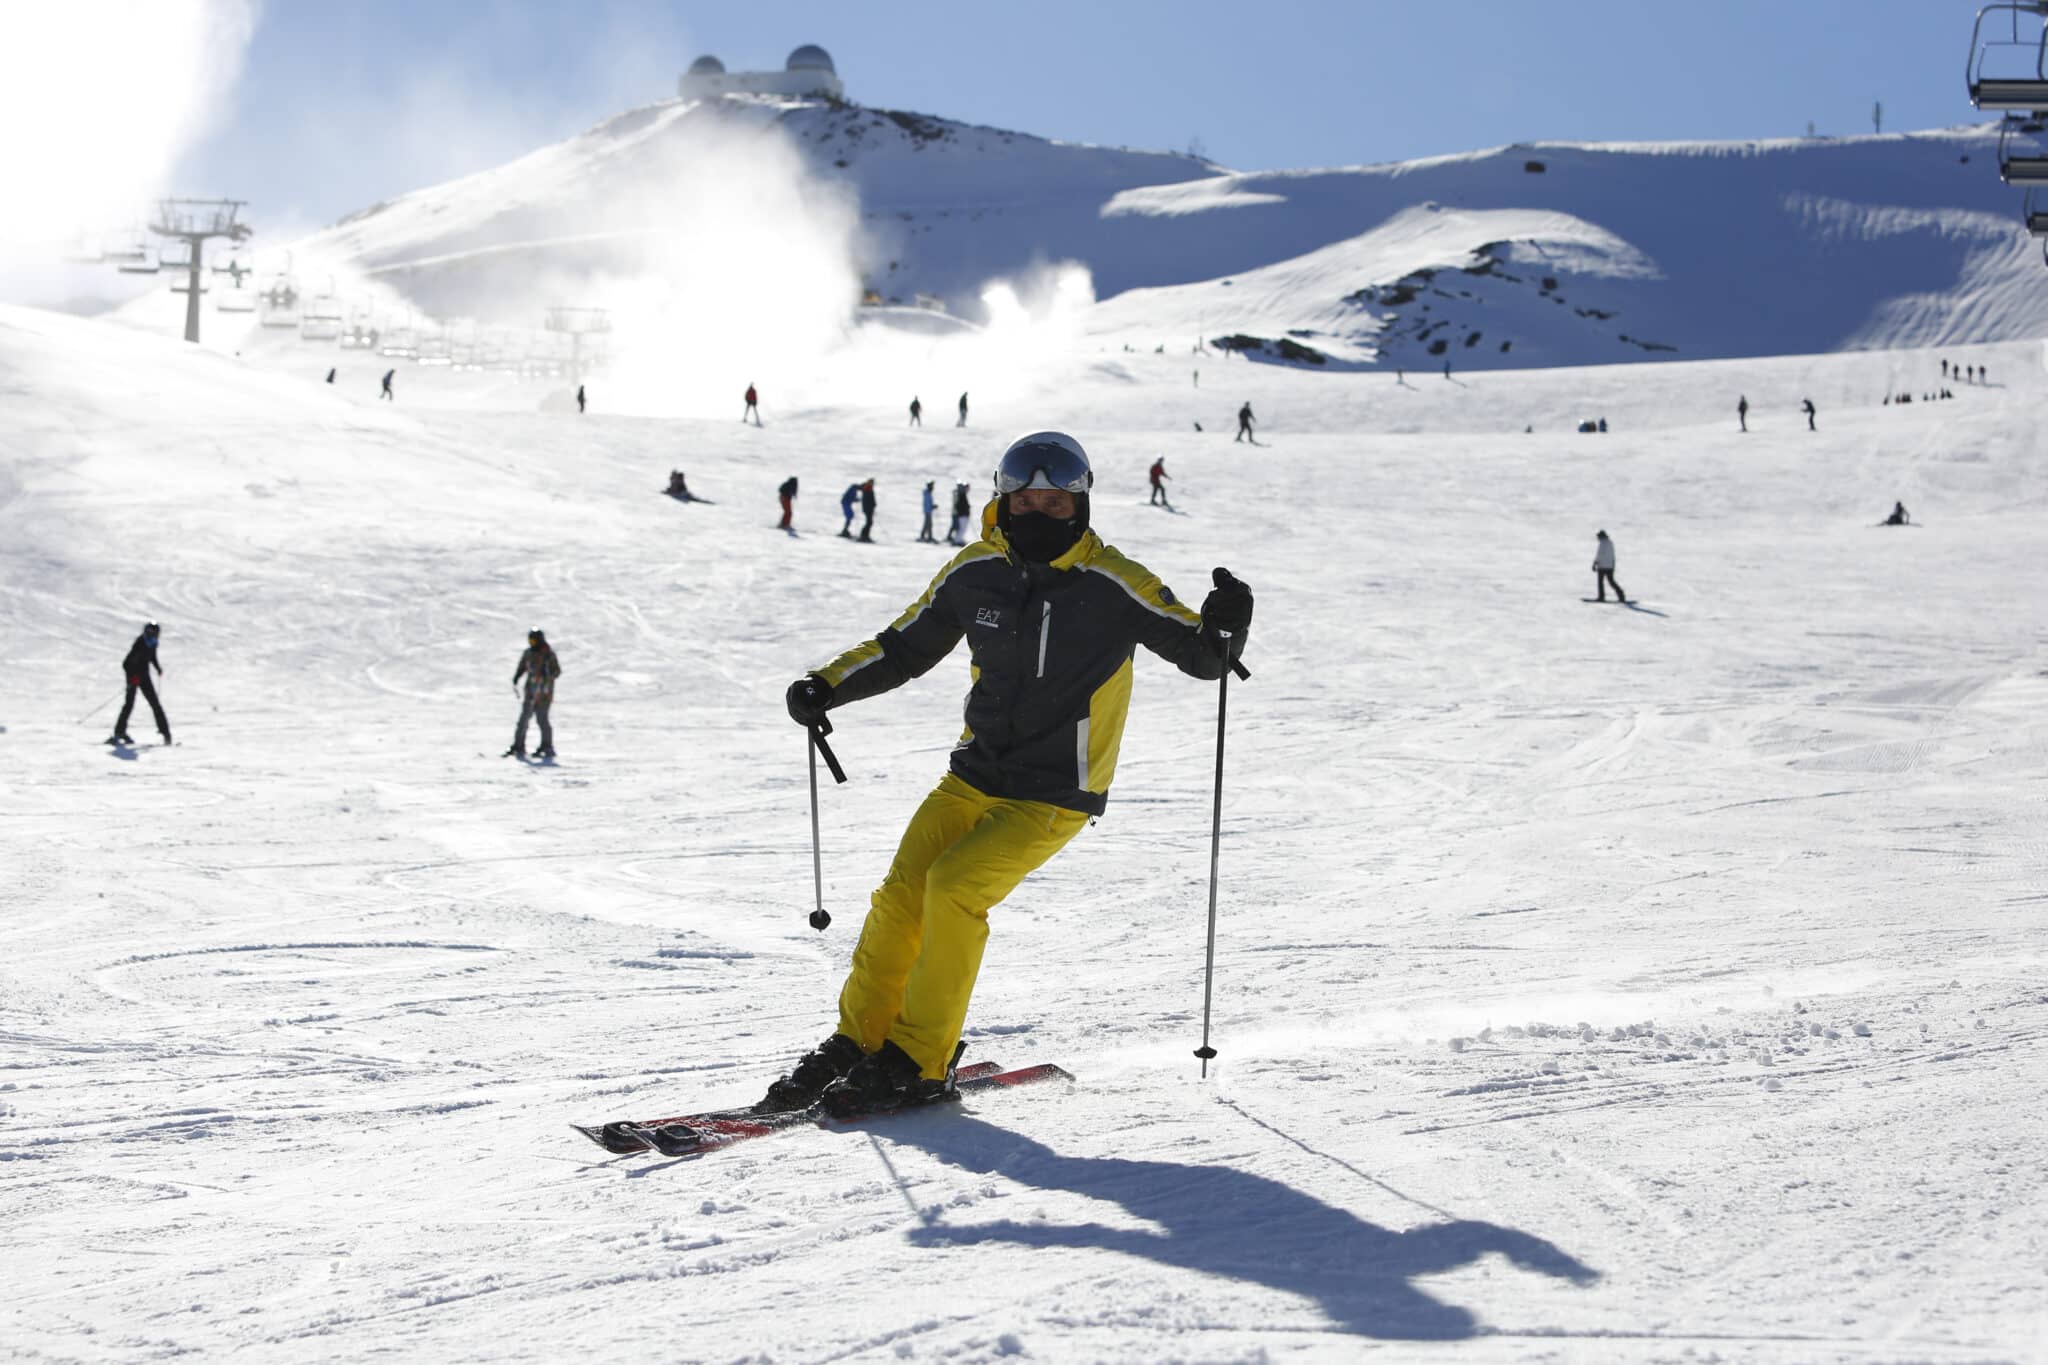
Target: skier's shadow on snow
column 1221, row 1221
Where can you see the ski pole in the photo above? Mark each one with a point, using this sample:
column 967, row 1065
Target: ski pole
column 821, row 919
column 96, row 710
column 1205, row 1052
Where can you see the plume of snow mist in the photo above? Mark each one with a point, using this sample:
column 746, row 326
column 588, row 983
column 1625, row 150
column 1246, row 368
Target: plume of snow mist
column 99, row 98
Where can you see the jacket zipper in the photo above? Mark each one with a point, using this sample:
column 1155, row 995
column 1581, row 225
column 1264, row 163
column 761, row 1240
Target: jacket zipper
column 1044, row 633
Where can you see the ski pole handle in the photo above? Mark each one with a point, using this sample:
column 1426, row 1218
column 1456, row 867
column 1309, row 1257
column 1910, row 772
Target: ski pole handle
column 818, row 733
column 1236, row 665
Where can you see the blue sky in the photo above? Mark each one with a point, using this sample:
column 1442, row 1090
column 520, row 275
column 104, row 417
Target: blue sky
column 342, row 104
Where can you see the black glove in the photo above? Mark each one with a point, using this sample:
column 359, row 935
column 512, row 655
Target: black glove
column 1228, row 607
column 809, row 698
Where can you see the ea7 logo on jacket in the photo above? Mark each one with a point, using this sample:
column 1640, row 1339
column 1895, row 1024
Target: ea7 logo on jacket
column 988, row 616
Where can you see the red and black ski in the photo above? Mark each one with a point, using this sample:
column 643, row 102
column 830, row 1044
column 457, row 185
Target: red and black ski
column 692, row 1134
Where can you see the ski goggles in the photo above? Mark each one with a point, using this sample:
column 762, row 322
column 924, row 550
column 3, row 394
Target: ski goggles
column 1043, row 464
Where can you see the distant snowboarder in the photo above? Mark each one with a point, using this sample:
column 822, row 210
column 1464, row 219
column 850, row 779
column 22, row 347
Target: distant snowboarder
column 389, row 375
column 916, row 412
column 1742, row 412
column 330, row 375
column 962, row 510
column 847, row 502
column 753, row 408
column 1159, row 477
column 1806, row 406
column 141, row 658
column 1899, row 516
column 679, row 487
column 788, row 495
column 579, row 398
column 931, row 505
column 963, row 411
column 1244, row 424
column 1603, row 570
column 539, row 666
column 867, row 507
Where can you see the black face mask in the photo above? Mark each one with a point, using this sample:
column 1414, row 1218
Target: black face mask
column 1039, row 538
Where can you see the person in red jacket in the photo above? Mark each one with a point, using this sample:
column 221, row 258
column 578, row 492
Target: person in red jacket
column 753, row 408
column 1159, row 477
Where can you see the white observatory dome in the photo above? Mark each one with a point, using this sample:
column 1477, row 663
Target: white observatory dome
column 810, row 57
column 707, row 65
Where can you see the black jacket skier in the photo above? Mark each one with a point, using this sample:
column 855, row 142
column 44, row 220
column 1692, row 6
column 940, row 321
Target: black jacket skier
column 140, row 660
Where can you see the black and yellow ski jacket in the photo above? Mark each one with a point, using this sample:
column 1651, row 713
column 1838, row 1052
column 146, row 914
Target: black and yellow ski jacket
column 1052, row 646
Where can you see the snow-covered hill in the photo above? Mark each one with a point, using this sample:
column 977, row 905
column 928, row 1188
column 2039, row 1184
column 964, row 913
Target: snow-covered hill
column 1592, row 984
column 1536, row 254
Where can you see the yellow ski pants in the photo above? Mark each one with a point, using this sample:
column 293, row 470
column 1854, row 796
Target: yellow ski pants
column 920, row 950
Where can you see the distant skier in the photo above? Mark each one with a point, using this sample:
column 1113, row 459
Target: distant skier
column 389, row 375
column 962, row 510
column 847, row 502
column 140, row 660
column 1244, row 424
column 1806, row 406
column 867, row 508
column 1159, row 478
column 1603, row 569
column 788, row 495
column 916, row 412
column 579, row 398
column 963, row 411
column 1447, row 369
column 539, row 666
column 1899, row 516
column 679, row 487
column 1944, row 369
column 753, row 408
column 330, row 375
column 931, row 505
column 1742, row 412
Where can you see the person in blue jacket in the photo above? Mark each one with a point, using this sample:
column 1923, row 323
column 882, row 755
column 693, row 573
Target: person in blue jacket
column 847, row 501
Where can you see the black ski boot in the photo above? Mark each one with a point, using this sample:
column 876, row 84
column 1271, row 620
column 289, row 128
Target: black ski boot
column 514, row 752
column 885, row 1080
column 821, row 1066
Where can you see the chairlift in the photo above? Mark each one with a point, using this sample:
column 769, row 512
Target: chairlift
column 2015, row 168
column 175, row 256
column 2020, row 84
column 435, row 350
column 182, row 284
column 400, row 343
column 279, row 304
column 323, row 317
column 236, row 299
column 142, row 262
column 2034, row 210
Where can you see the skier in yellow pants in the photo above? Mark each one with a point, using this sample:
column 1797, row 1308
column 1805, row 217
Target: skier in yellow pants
column 1053, row 617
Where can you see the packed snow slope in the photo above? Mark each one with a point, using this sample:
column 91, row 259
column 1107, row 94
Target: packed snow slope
column 1531, row 255
column 1592, row 983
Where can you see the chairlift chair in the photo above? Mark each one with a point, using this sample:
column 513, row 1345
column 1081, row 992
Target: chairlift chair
column 2015, row 167
column 280, row 304
column 142, row 262
column 236, row 300
column 2034, row 212
column 2024, row 87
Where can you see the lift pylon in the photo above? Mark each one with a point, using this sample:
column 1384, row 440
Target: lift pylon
column 194, row 221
